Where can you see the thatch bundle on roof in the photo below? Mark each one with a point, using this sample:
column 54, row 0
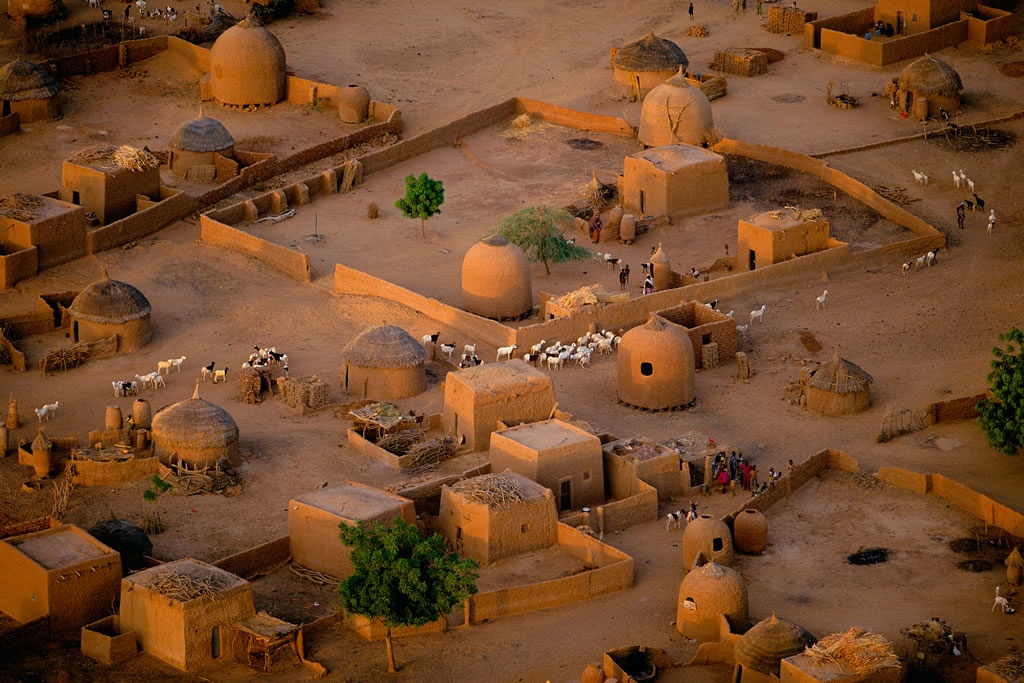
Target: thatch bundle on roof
column 110, row 158
column 494, row 490
column 840, row 376
column 384, row 346
column 110, row 302
column 930, row 76
column 854, row 651
column 19, row 206
column 650, row 53
column 202, row 134
column 768, row 642
column 24, row 80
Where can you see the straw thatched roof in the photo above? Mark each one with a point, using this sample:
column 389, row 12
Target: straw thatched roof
column 768, row 642
column 650, row 53
column 202, row 134
column 195, row 424
column 110, row 302
column 840, row 376
column 930, row 76
column 384, row 346
column 23, row 80
column 856, row 650
column 110, row 158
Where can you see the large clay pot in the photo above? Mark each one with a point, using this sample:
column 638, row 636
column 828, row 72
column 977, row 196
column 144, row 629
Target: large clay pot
column 593, row 674
column 141, row 439
column 614, row 218
column 353, row 103
column 114, row 418
column 750, row 531
column 627, row 228
column 12, row 415
column 142, row 413
column 4, row 437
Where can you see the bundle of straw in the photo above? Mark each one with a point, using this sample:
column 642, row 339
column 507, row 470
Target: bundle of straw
column 854, row 651
column 19, row 206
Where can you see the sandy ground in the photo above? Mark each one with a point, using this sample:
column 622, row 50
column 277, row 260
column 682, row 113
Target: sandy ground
column 924, row 337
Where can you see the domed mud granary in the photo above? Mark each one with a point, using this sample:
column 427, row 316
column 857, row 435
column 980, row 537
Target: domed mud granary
column 661, row 269
column 706, row 594
column 247, row 67
column 710, row 537
column 675, row 112
column 765, row 645
column 109, row 307
column 195, row 432
column 384, row 362
column 496, row 280
column 196, row 142
column 28, row 90
column 656, row 366
column 926, row 87
column 648, row 62
column 838, row 387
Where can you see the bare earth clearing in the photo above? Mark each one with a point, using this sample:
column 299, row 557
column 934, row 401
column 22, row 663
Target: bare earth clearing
column 924, row 337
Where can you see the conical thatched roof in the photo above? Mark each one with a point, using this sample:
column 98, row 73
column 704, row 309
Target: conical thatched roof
column 202, row 134
column 384, row 346
column 840, row 377
column 768, row 642
column 110, row 302
column 650, row 53
column 194, row 424
column 930, row 76
column 23, row 80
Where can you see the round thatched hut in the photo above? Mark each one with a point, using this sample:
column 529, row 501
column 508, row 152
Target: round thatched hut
column 195, row 143
column 706, row 594
column 384, row 362
column 926, row 87
column 496, row 280
column 656, row 366
column 648, row 62
column 710, row 537
column 109, row 307
column 838, row 387
column 247, row 66
column 195, row 432
column 42, row 10
column 675, row 112
column 28, row 90
column 765, row 645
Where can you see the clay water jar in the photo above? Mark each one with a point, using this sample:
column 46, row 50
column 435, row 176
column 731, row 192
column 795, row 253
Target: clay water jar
column 142, row 413
column 750, row 531
column 114, row 419
column 627, row 228
column 614, row 217
column 353, row 103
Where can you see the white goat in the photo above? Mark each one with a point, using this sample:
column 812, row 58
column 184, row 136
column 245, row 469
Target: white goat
column 470, row 349
column 921, row 261
column 220, row 375
column 176, row 363
column 538, row 347
column 554, row 362
column 430, row 338
column 821, row 300
column 956, row 179
column 158, row 381
column 970, row 184
column 506, row 352
column 758, row 313
column 991, row 221
column 144, row 380
column 47, row 411
column 742, row 329
column 675, row 519
column 906, row 267
column 206, row 371
column 1002, row 603
column 920, row 177
column 930, row 257
column 448, row 350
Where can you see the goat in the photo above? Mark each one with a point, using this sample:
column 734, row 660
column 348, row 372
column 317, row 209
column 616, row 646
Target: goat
column 531, row 358
column 176, row 362
column 612, row 262
column 956, row 179
column 821, row 300
column 158, row 380
column 432, row 338
column 537, row 348
column 729, row 314
column 47, row 411
column 108, row 15
column 141, row 4
column 506, row 352
column 970, row 204
column 675, row 519
column 277, row 358
column 163, row 366
column 220, row 375
column 758, row 313
column 930, row 257
column 979, row 203
column 554, row 362
column 742, row 329
column 991, row 221
column 1002, row 603
column 711, row 304
column 448, row 350
column 144, row 380
column 470, row 349
column 207, row 371
column 906, row 267
column 125, row 388
column 921, row 261
column 970, row 185
column 920, row 177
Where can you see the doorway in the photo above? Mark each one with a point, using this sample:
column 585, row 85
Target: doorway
column 751, row 260
column 565, row 494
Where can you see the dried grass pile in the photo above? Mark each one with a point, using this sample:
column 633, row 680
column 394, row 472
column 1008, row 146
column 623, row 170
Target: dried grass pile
column 854, row 651
column 123, row 158
column 187, row 587
column 584, row 296
column 375, row 420
column 494, row 490
column 399, row 443
column 637, row 450
column 428, row 454
column 1010, row 667
column 19, row 206
column 698, row 31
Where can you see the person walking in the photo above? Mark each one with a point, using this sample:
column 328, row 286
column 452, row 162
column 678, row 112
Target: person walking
column 622, row 279
column 690, row 11
column 649, row 285
column 961, row 214
column 758, row 11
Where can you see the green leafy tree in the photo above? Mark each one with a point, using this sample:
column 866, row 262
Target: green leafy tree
column 402, row 578
column 538, row 230
column 1002, row 416
column 423, row 198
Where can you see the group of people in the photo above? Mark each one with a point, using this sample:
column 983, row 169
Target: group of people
column 733, row 470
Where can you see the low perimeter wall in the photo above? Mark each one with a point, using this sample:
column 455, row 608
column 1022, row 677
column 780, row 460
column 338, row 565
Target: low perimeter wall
column 612, row 571
column 90, row 472
column 289, row 262
column 257, row 559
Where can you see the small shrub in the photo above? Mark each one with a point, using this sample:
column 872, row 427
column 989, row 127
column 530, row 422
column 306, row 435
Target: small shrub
column 372, row 211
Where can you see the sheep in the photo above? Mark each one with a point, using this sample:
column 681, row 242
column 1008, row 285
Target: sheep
column 448, row 350
column 158, row 380
column 125, row 388
column 536, row 348
column 163, row 366
column 956, row 179
column 207, row 371
column 674, row 519
column 821, row 300
column 506, row 352
column 531, row 358
column 758, row 313
column 604, row 346
column 582, row 357
column 144, row 380
column 47, row 411
column 220, row 375
column 920, row 177
column 470, row 349
column 612, row 262
column 979, row 203
column 554, row 362
column 430, row 338
column 176, row 363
